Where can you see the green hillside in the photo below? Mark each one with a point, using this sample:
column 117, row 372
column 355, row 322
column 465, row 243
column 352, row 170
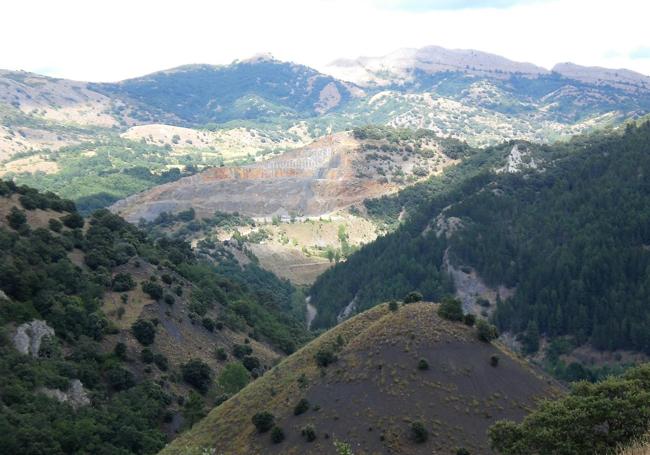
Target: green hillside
column 570, row 235
column 112, row 342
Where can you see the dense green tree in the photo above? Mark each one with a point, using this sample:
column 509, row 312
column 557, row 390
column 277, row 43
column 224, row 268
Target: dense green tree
column 593, row 418
column 16, row 218
column 144, row 331
column 451, row 308
column 198, row 374
column 233, row 378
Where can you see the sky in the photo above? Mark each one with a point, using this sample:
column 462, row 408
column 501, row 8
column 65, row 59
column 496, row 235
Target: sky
column 102, row 40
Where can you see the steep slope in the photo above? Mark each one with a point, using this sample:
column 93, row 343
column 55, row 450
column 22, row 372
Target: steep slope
column 102, row 325
column 370, row 396
column 566, row 234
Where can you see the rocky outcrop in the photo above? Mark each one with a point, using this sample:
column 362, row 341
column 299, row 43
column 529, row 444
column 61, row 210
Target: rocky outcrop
column 76, row 396
column 29, row 336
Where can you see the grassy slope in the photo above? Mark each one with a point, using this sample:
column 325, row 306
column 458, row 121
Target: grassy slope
column 375, row 389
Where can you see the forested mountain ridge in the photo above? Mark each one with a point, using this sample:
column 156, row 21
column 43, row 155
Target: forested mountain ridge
column 112, row 342
column 571, row 240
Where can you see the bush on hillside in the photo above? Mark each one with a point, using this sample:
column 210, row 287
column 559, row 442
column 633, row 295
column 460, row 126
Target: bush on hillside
column 198, row 374
column 55, row 225
column 469, row 320
column 122, row 282
column 412, row 297
column 277, row 435
column 309, row 433
column 241, row 350
column 144, row 331
column 263, row 421
column 451, row 309
column 301, row 407
column 233, row 378
column 154, row 290
column 16, row 218
column 73, row 220
column 325, row 356
column 485, row 331
column 419, row 432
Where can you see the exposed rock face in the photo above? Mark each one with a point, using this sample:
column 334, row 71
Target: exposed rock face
column 519, row 159
column 76, row 395
column 328, row 175
column 3, row 296
column 29, row 335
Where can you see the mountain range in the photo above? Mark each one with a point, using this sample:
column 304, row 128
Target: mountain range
column 408, row 254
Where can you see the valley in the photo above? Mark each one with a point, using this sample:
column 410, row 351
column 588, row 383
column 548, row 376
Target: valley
column 431, row 251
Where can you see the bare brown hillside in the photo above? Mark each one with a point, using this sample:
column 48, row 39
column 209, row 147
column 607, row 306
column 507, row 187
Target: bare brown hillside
column 331, row 173
column 372, row 394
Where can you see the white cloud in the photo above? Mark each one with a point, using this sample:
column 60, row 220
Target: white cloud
column 110, row 40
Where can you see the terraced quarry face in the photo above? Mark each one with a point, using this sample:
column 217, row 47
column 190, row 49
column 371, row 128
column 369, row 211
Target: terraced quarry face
column 331, row 173
column 372, row 394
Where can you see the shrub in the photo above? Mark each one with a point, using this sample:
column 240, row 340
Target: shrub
column 166, row 278
column 73, row 220
column 120, row 351
column 122, row 282
column 485, row 331
column 221, row 354
column 412, row 297
column 154, row 290
column 197, row 374
column 161, row 362
column 144, row 331
column 146, row 355
column 419, row 432
column 16, row 218
column 393, row 306
column 251, row 363
column 241, row 350
column 451, row 309
column 423, row 365
column 208, row 324
column 233, row 378
column 494, row 360
column 277, row 435
column 263, row 421
column 301, row 407
column 169, row 299
column 325, row 356
column 309, row 432
column 469, row 319
column 462, row 451
column 55, row 225
column 119, row 379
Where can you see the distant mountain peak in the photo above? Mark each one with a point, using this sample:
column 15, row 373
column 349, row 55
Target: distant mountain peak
column 620, row 78
column 399, row 66
column 259, row 58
